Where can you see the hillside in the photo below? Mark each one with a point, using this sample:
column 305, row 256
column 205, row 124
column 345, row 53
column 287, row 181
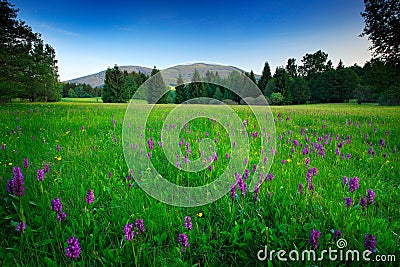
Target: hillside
column 97, row 79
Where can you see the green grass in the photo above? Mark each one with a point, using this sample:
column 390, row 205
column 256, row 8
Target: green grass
column 228, row 232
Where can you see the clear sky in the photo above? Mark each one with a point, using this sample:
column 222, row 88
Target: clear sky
column 90, row 36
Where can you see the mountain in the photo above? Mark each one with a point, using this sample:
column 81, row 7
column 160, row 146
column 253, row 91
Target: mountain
column 97, row 79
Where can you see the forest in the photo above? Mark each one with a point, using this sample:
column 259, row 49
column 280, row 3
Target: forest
column 29, row 70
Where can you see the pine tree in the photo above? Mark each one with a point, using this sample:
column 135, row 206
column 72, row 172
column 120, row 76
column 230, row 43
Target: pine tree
column 197, row 87
column 180, row 90
column 156, row 88
column 28, row 66
column 115, row 90
column 265, row 77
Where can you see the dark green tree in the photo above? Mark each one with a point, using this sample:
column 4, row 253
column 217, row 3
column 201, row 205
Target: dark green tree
column 382, row 26
column 156, row 90
column 196, row 87
column 340, row 65
column 27, row 65
column 180, row 96
column 218, row 94
column 114, row 90
column 291, row 67
column 282, row 84
column 265, row 77
column 300, row 90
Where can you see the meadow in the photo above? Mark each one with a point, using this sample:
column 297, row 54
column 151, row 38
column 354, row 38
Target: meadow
column 335, row 173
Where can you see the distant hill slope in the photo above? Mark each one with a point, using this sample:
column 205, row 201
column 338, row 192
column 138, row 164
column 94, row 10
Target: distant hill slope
column 97, row 79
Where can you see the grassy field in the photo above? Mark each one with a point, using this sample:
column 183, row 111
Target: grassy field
column 81, row 145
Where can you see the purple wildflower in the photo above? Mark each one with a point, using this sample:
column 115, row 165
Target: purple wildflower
column 354, row 184
column 269, row 176
column 188, row 222
column 241, row 184
column 61, row 216
column 315, row 171
column 314, row 238
column 227, row 156
column 345, row 180
column 309, row 175
column 26, row 163
column 17, row 183
column 382, row 142
column 150, row 143
column 371, row 196
column 337, row 234
column 73, row 250
column 89, row 197
column 363, row 202
column 58, row 147
column 140, row 225
column 300, row 188
column 246, row 174
column 349, row 201
column 256, row 191
column 21, row 227
column 295, row 143
column 370, row 242
column 129, row 233
column 307, row 162
column 46, row 168
column 233, row 191
column 56, row 205
column 183, row 240
column 110, row 174
column 3, row 146
column 311, row 186
column 254, row 167
column 40, row 175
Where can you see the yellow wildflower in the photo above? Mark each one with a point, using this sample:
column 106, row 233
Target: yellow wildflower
column 200, row 214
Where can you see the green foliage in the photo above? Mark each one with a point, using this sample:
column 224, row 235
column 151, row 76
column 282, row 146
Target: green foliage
column 180, row 96
column 115, row 90
column 28, row 65
column 156, row 91
column 300, row 90
column 276, row 98
column 218, row 94
column 265, row 77
column 382, row 26
column 291, row 67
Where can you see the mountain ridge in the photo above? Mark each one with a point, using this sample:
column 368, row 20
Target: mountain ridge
column 97, row 79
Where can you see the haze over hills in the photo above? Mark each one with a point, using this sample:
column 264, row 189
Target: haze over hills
column 97, row 79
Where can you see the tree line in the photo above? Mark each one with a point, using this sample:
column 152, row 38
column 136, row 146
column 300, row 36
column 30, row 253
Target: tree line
column 28, row 66
column 28, row 70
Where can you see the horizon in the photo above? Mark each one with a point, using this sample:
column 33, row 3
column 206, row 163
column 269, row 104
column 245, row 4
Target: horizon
column 90, row 36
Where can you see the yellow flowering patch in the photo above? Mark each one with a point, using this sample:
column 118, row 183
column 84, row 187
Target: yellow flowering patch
column 199, row 214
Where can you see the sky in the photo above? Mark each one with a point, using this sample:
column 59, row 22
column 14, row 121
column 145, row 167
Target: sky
column 90, row 36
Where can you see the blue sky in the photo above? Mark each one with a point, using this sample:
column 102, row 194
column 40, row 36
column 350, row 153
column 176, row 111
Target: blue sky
column 90, row 36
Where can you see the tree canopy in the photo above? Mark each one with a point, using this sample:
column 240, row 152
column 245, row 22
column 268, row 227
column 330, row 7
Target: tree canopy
column 28, row 66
